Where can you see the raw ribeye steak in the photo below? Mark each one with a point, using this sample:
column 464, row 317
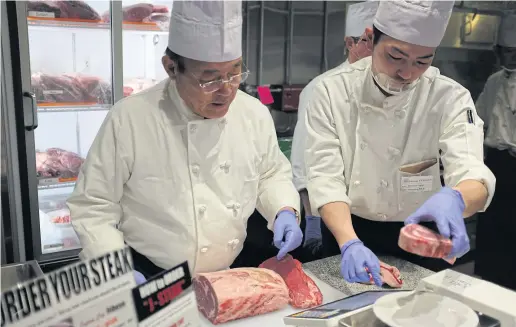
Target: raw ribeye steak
column 390, row 275
column 424, row 242
column 303, row 291
column 238, row 293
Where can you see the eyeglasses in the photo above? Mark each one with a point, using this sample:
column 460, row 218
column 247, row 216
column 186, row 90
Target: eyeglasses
column 213, row 86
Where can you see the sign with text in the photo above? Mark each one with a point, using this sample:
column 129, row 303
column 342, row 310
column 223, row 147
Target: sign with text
column 167, row 299
column 102, row 292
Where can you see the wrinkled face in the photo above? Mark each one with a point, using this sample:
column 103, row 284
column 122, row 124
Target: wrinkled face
column 507, row 57
column 361, row 47
column 214, row 99
column 402, row 62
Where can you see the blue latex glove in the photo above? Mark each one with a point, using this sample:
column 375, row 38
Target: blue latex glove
column 287, row 234
column 445, row 208
column 359, row 263
column 312, row 229
column 139, row 278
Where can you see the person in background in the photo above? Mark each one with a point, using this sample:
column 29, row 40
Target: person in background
column 176, row 170
column 374, row 133
column 496, row 106
column 358, row 40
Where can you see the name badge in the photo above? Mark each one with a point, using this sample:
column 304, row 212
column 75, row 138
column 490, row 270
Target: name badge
column 417, row 183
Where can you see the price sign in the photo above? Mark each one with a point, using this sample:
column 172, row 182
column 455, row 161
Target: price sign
column 161, row 290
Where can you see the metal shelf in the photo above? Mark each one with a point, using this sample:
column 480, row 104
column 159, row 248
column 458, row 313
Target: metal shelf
column 72, row 108
column 63, row 23
column 54, row 182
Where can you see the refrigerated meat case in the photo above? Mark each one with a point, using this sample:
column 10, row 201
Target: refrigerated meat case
column 68, row 63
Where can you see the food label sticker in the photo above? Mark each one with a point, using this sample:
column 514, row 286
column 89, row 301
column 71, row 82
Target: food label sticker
column 52, row 92
column 417, row 183
column 41, row 14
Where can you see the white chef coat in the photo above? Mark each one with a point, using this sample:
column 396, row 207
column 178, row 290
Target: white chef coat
column 496, row 105
column 297, row 154
column 178, row 186
column 361, row 146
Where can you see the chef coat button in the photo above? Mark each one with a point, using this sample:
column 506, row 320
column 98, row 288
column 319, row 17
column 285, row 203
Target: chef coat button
column 223, row 121
column 393, row 152
column 202, row 209
column 236, row 206
column 195, row 169
column 379, row 189
column 204, row 250
column 382, row 216
column 400, row 114
column 363, row 145
column 225, row 166
column 193, row 128
column 384, row 183
column 356, row 183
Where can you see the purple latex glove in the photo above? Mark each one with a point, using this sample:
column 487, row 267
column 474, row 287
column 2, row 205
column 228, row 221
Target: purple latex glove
column 287, row 234
column 445, row 208
column 356, row 258
column 139, row 278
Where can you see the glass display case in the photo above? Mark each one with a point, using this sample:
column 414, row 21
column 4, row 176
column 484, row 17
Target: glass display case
column 77, row 58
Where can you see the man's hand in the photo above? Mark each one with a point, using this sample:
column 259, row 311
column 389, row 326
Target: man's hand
column 446, row 209
column 287, row 234
column 359, row 263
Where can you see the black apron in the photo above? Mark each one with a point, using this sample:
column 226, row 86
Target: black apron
column 257, row 248
column 382, row 239
column 258, row 245
column 496, row 228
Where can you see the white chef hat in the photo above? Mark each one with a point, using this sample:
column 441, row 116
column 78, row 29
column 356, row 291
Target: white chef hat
column 208, row 31
column 507, row 31
column 417, row 22
column 359, row 17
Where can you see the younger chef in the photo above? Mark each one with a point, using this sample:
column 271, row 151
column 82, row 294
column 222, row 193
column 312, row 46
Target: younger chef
column 176, row 170
column 496, row 105
column 374, row 136
column 359, row 34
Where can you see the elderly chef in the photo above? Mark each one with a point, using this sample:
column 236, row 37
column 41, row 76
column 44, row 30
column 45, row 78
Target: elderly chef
column 176, row 170
column 496, row 105
column 359, row 34
column 375, row 133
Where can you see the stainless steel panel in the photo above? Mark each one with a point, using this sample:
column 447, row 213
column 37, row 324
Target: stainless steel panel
column 117, row 62
column 19, row 273
column 10, row 164
column 470, row 31
column 367, row 318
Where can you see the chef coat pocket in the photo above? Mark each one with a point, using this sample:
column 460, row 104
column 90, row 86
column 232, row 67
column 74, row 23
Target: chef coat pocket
column 417, row 182
column 249, row 196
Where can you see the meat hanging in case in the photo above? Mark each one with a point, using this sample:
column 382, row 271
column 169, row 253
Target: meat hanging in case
column 237, row 293
column 71, row 88
column 57, row 162
column 77, row 10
